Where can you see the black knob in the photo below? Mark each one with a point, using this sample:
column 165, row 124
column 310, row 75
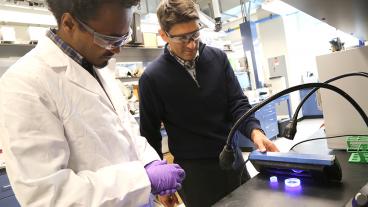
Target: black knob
column 361, row 199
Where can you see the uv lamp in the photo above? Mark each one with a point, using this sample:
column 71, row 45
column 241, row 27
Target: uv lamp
column 315, row 166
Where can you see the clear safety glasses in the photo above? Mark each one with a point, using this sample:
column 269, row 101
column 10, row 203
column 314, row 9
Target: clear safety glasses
column 106, row 41
column 185, row 38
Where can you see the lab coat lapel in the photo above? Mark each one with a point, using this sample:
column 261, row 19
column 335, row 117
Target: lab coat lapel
column 81, row 77
column 118, row 100
column 112, row 90
column 74, row 73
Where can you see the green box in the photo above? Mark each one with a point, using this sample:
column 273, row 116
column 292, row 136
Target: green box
column 358, row 145
column 359, row 157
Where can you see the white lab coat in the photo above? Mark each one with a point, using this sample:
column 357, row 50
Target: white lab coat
column 64, row 143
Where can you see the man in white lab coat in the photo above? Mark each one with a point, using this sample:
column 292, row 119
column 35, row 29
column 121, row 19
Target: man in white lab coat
column 67, row 136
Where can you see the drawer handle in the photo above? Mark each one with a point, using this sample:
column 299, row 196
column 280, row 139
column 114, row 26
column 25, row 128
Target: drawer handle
column 6, row 187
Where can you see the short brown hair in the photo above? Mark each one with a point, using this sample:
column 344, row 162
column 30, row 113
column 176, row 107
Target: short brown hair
column 171, row 12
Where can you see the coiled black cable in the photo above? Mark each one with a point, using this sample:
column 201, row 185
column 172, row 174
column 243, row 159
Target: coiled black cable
column 290, row 129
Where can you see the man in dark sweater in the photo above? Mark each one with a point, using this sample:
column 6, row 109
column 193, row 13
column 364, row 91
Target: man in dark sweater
column 192, row 89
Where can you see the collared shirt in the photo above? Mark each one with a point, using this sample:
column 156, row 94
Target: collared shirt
column 73, row 54
column 189, row 65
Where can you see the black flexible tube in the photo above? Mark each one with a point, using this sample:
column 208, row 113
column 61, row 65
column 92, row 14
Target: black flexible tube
column 332, row 137
column 295, row 117
column 292, row 89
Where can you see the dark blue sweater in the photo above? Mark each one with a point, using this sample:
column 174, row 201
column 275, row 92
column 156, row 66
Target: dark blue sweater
column 197, row 119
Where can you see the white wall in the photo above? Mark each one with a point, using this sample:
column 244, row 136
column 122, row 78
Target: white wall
column 271, row 35
column 273, row 43
column 300, row 38
column 22, row 35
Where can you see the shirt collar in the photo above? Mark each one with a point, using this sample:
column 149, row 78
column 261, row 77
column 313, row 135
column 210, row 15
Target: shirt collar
column 188, row 64
column 73, row 54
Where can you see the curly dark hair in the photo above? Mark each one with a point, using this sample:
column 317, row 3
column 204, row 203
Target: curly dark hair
column 83, row 9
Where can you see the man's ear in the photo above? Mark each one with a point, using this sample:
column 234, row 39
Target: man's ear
column 68, row 24
column 163, row 35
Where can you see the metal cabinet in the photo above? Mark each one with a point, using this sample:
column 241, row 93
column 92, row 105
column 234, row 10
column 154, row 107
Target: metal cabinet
column 7, row 197
column 310, row 108
column 268, row 119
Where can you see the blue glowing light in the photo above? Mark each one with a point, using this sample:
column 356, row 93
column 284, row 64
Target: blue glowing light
column 292, row 182
column 294, row 191
column 297, row 171
column 273, row 179
column 274, row 184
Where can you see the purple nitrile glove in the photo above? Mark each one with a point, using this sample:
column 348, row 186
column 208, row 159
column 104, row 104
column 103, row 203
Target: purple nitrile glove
column 164, row 177
column 168, row 192
column 156, row 162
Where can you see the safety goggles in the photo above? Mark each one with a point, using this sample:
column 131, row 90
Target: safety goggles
column 106, row 41
column 185, row 38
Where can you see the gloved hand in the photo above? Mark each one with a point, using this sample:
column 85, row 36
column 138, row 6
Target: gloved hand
column 165, row 178
column 156, row 162
column 162, row 162
column 168, row 192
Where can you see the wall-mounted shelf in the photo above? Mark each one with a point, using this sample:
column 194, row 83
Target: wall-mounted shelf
column 14, row 50
column 138, row 54
column 127, row 54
